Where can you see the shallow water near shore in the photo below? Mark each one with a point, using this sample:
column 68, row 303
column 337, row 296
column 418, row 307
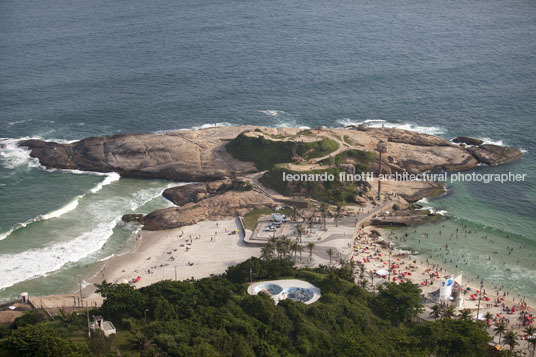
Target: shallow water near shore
column 73, row 69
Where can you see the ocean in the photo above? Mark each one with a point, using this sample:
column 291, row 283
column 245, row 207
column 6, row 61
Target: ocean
column 73, row 69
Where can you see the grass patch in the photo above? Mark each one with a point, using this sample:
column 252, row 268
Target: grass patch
column 332, row 192
column 266, row 153
column 348, row 140
column 363, row 158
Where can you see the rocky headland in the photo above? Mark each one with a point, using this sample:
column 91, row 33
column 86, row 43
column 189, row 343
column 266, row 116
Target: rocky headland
column 226, row 164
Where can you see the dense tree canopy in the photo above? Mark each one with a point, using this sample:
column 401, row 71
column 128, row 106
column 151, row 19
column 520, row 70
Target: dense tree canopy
column 216, row 317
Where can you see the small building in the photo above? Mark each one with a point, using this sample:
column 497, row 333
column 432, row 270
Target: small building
column 105, row 326
column 279, row 218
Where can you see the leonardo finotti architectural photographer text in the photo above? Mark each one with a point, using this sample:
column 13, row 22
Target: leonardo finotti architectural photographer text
column 405, row 176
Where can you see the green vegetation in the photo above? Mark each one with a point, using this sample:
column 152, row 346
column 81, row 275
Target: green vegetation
column 348, row 140
column 216, row 317
column 266, row 153
column 359, row 158
column 305, row 132
column 326, row 191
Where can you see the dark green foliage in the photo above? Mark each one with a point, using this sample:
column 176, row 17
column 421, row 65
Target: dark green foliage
column 448, row 337
column 30, row 318
column 326, row 191
column 123, row 300
column 399, row 302
column 38, row 340
column 360, row 158
column 272, row 269
column 216, row 317
column 266, row 153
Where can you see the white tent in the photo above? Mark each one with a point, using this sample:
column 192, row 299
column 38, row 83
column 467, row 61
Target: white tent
column 382, row 272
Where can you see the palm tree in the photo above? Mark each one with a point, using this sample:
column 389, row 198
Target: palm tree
column 499, row 330
column 436, row 311
column 371, row 276
column 338, row 214
column 267, row 252
column 310, row 222
column 294, row 213
column 299, row 249
column 448, row 313
column 299, row 231
column 330, row 252
column 530, row 331
column 532, row 342
column 324, row 211
column 294, row 248
column 139, row 341
column 310, row 246
column 489, row 316
column 465, row 314
column 66, row 318
column 510, row 339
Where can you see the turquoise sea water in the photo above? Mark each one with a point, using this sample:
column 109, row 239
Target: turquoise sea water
column 72, row 69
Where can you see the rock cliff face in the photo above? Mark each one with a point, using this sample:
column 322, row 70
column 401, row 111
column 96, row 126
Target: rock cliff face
column 494, row 154
column 181, row 195
column 196, row 155
column 219, row 206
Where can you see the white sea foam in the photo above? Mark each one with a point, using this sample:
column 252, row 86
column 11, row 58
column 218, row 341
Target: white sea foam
column 491, row 141
column 38, row 262
column 12, row 155
column 378, row 123
column 272, row 113
column 111, row 178
column 205, row 126
column 11, row 123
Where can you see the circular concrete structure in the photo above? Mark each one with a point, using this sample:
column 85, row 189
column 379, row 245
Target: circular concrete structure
column 297, row 290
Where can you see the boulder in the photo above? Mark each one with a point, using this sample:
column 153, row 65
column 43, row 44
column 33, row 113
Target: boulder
column 494, row 154
column 181, row 195
column 467, row 140
column 227, row 204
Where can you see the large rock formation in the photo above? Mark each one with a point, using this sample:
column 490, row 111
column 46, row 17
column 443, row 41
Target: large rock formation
column 181, row 195
column 494, row 154
column 189, row 155
column 200, row 155
column 227, row 204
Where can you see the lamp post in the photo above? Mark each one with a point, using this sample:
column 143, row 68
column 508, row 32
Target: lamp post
column 479, row 298
column 381, row 147
column 389, row 269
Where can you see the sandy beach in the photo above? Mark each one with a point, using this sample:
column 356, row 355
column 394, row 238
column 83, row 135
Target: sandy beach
column 374, row 254
column 195, row 251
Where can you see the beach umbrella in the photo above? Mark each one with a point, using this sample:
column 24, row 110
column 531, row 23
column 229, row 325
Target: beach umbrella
column 502, row 299
column 395, row 278
column 514, row 309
